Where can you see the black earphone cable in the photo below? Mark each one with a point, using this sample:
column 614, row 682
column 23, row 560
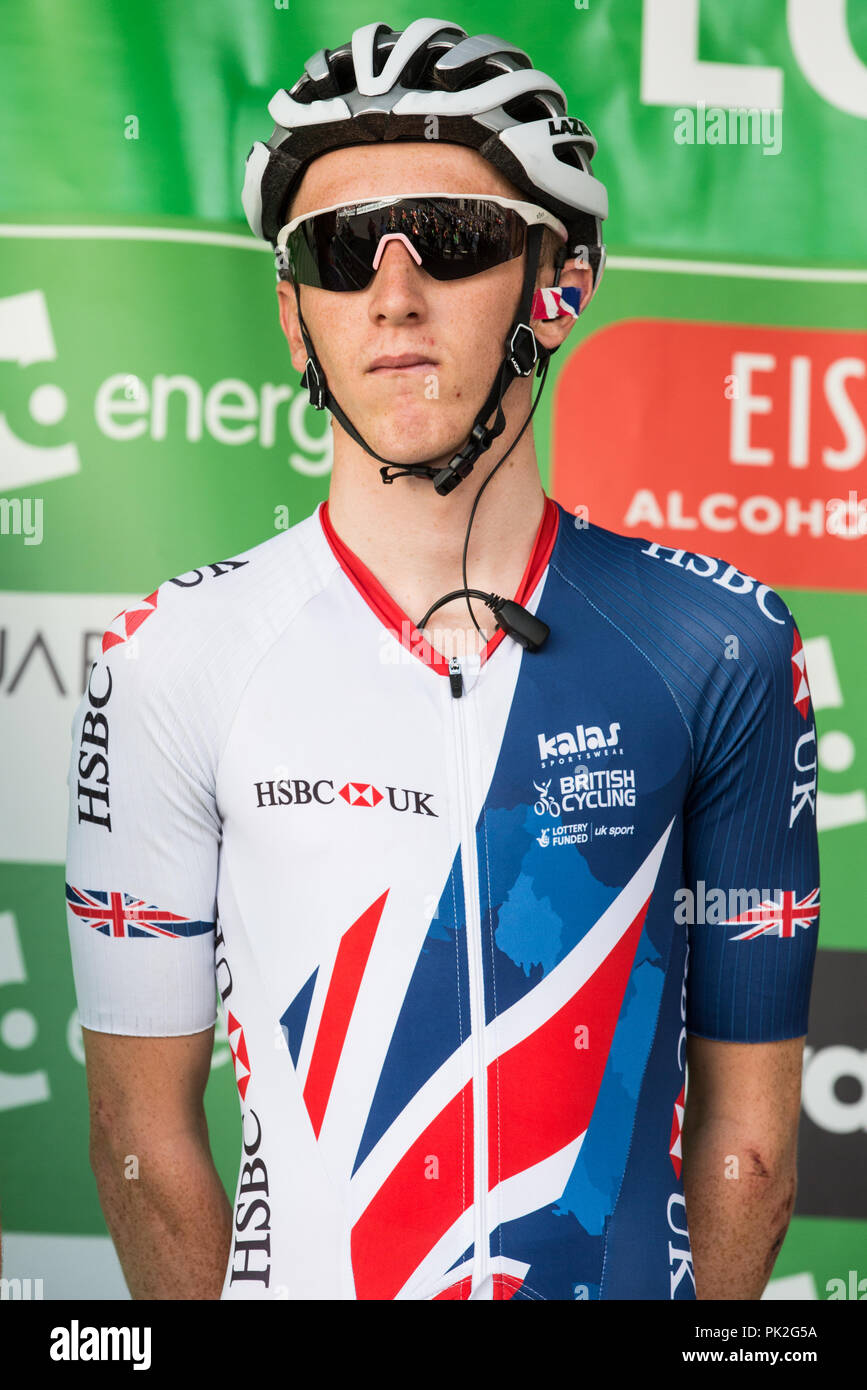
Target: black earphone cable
column 543, row 373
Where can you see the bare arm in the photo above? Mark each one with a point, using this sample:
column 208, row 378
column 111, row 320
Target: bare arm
column 740, row 1133
column 162, row 1198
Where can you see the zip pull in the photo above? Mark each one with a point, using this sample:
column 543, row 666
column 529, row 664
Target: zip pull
column 456, row 680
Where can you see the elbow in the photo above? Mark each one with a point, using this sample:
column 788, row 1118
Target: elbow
column 101, row 1149
column 770, row 1171
column 772, row 1184
column 112, row 1137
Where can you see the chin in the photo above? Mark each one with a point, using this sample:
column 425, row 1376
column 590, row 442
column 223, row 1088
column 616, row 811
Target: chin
column 398, row 451
column 406, row 438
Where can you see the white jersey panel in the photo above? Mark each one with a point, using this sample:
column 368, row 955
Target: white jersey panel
column 144, row 829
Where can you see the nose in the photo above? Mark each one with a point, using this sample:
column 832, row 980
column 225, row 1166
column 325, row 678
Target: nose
column 397, row 288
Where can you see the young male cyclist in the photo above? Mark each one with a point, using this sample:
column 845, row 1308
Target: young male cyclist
column 445, row 882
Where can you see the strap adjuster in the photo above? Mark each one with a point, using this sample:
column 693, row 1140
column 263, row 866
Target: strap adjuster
column 310, row 378
column 522, row 352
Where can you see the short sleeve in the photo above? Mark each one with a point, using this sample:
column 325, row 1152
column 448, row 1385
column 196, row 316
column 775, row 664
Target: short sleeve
column 751, row 858
column 142, row 853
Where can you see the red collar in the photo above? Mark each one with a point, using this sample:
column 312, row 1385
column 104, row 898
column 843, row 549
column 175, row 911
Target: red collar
column 393, row 616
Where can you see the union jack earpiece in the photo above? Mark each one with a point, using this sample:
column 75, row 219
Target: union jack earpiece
column 556, row 302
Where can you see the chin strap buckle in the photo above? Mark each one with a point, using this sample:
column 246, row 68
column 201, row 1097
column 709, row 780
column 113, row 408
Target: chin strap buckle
column 448, row 478
column 311, row 379
column 406, row 470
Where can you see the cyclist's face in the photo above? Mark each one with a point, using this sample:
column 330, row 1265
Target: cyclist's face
column 457, row 326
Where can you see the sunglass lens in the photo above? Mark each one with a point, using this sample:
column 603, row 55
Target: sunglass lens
column 468, row 236
column 454, row 237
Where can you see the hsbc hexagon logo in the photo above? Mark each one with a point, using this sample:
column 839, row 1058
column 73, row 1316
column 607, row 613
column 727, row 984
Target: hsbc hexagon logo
column 675, row 1149
column 238, row 1049
column 800, row 684
column 360, row 794
column 125, row 623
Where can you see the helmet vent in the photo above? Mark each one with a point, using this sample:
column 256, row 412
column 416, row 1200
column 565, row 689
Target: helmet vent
column 527, row 108
column 567, row 154
column 419, row 73
column 342, row 71
column 384, row 42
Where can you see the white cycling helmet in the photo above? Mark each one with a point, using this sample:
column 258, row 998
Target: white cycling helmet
column 386, row 85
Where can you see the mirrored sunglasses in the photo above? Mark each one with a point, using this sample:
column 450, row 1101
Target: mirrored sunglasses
column 340, row 248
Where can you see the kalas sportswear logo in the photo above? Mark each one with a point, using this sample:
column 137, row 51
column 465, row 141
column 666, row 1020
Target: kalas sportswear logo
column 586, row 738
column 298, row 792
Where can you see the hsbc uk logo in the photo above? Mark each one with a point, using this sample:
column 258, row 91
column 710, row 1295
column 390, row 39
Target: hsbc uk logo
column 295, row 791
column 585, row 738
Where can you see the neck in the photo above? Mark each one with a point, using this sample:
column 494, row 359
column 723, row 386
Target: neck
column 412, row 539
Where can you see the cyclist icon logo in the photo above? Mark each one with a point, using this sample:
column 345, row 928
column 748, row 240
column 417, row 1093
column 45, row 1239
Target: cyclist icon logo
column 546, row 802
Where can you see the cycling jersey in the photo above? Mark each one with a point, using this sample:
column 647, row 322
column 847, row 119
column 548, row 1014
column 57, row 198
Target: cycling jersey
column 461, row 921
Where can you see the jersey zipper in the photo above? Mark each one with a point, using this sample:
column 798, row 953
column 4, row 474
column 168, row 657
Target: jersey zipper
column 473, row 918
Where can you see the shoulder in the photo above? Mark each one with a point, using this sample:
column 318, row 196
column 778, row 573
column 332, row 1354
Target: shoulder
column 180, row 657
column 724, row 642
column 223, row 608
column 677, row 597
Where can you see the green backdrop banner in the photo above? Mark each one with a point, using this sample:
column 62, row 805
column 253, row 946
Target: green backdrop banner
column 714, row 400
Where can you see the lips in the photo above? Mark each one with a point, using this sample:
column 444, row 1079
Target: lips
column 406, row 362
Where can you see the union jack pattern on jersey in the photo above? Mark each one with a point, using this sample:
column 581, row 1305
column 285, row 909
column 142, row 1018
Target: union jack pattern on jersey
column 443, row 928
column 532, row 1054
column 123, row 915
column 773, row 918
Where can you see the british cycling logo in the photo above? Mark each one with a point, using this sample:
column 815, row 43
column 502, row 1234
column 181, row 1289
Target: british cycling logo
column 588, row 738
column 590, row 789
column 298, row 791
